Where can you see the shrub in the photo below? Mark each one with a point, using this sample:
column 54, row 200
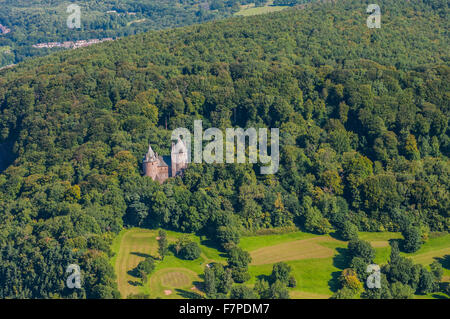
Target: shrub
column 361, row 248
column 146, row 266
column 242, row 292
column 401, row 291
column 281, row 272
column 190, row 251
column 348, row 231
column 412, row 239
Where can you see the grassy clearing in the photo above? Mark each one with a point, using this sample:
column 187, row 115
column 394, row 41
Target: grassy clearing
column 307, row 295
column 437, row 248
column 255, row 242
column 314, row 276
column 252, row 10
column 134, row 246
column 175, row 278
column 136, row 21
column 380, row 236
column 316, row 261
column 382, row 255
column 294, row 250
column 441, row 244
column 433, row 295
column 174, row 274
column 380, row 241
column 174, row 283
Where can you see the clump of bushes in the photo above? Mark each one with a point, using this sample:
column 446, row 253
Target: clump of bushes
column 187, row 249
column 145, row 267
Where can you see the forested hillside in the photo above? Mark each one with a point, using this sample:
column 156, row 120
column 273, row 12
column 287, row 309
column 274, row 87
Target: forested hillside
column 363, row 117
column 30, row 22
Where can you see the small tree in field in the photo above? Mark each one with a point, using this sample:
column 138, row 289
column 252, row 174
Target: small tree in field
column 361, row 248
column 163, row 245
column 413, row 239
column 437, row 270
column 281, row 271
column 278, row 290
column 146, row 266
column 210, row 283
column 190, row 251
column 181, row 242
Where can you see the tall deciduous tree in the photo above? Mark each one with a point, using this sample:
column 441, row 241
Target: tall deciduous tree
column 163, row 245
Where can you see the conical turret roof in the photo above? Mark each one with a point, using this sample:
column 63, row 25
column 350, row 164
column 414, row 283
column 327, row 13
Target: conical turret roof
column 150, row 156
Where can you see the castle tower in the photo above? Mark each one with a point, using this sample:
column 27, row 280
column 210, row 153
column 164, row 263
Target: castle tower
column 179, row 158
column 150, row 164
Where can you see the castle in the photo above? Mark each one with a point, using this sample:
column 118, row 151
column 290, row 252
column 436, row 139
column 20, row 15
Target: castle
column 157, row 167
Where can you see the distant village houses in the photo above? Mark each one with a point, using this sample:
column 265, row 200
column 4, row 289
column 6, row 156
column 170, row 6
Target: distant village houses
column 119, row 14
column 4, row 30
column 71, row 44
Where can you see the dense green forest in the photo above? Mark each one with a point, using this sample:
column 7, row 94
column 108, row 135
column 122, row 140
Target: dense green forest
column 42, row 21
column 363, row 117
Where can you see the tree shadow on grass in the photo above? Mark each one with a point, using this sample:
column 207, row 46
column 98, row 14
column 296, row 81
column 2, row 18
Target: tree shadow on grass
column 199, row 285
column 436, row 296
column 213, row 244
column 173, row 250
column 264, row 277
column 341, row 260
column 135, row 283
column 336, row 236
column 141, row 254
column 333, row 283
column 133, row 273
column 444, row 261
column 188, row 294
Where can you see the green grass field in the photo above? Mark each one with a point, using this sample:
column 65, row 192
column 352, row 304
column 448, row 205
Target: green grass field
column 172, row 278
column 136, row 21
column 316, row 260
column 434, row 249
